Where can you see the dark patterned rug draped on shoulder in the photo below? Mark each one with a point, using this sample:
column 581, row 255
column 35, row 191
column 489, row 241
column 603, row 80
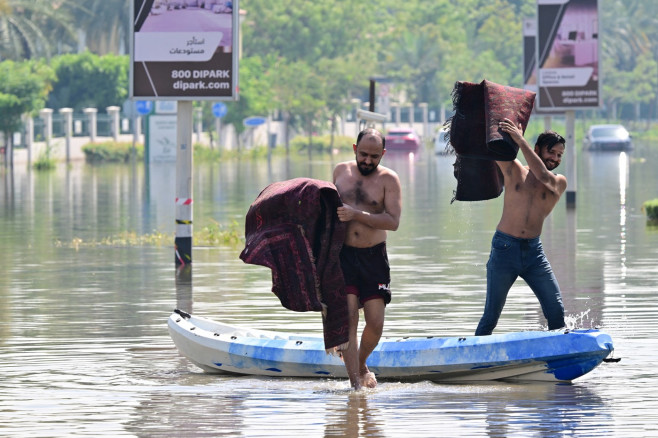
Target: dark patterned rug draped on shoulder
column 476, row 139
column 292, row 228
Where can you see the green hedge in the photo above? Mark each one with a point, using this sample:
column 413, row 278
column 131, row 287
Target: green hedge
column 651, row 208
column 322, row 143
column 110, row 151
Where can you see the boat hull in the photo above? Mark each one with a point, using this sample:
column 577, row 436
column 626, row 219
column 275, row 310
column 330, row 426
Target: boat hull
column 532, row 355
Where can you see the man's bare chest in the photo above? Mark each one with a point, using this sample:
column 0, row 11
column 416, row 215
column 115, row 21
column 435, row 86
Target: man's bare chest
column 531, row 190
column 357, row 193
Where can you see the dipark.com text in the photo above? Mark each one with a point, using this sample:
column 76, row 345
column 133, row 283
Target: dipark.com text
column 200, row 85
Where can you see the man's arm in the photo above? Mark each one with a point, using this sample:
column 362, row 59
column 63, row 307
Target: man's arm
column 555, row 183
column 389, row 219
column 340, row 167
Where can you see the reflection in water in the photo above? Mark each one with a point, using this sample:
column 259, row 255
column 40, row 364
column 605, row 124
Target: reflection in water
column 623, row 180
column 184, row 294
column 564, row 410
column 195, row 408
column 85, row 348
column 353, row 419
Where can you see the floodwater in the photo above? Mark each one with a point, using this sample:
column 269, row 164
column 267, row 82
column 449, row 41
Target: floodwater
column 84, row 348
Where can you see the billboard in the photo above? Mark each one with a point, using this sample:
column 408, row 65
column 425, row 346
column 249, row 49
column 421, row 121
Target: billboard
column 529, row 54
column 184, row 50
column 567, row 54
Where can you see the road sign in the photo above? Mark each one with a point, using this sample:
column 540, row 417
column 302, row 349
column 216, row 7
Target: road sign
column 219, row 109
column 253, row 121
column 144, row 107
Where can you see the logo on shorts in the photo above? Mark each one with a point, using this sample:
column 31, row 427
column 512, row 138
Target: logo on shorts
column 384, row 286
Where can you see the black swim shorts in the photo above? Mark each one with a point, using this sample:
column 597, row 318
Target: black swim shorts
column 367, row 272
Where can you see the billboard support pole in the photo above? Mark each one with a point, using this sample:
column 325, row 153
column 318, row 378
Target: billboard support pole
column 183, row 239
column 570, row 138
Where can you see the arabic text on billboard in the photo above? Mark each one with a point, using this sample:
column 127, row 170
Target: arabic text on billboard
column 184, row 49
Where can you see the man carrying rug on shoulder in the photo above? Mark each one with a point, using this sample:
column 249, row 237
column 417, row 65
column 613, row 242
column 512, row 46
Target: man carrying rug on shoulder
column 372, row 203
column 531, row 192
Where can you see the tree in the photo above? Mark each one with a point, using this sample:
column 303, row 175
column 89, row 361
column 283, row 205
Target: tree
column 307, row 30
column 23, row 90
column 342, row 79
column 35, row 28
column 415, row 62
column 630, row 53
column 109, row 35
column 255, row 95
column 89, row 80
column 634, row 87
column 297, row 93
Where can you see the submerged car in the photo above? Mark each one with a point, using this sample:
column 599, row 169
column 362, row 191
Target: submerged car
column 402, row 139
column 607, row 138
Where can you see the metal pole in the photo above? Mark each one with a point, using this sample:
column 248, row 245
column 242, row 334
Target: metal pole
column 371, row 106
column 199, row 120
column 218, row 128
column 184, row 291
column 572, row 182
column 137, row 133
column 183, row 240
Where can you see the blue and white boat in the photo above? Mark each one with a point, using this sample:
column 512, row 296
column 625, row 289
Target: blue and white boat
column 558, row 356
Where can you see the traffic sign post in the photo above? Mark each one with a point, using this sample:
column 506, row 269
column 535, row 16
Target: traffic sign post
column 219, row 110
column 144, row 107
column 252, row 122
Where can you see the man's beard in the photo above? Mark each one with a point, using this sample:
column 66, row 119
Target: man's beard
column 364, row 169
column 550, row 165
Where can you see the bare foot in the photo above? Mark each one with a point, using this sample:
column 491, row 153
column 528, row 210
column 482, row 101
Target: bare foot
column 368, row 379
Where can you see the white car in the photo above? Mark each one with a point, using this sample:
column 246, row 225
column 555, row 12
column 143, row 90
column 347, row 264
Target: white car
column 441, row 142
column 607, row 138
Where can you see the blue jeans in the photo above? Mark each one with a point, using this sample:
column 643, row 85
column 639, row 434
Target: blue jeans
column 512, row 257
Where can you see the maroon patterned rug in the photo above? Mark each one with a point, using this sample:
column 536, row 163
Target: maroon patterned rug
column 476, row 139
column 292, row 228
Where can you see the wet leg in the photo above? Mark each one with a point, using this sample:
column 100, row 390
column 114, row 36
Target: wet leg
column 351, row 354
column 374, row 311
column 543, row 283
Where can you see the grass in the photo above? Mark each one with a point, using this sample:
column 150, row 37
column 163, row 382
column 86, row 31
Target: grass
column 45, row 160
column 212, row 235
column 111, row 151
column 44, row 163
column 651, row 209
column 298, row 145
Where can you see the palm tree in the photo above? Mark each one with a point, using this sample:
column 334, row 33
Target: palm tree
column 106, row 26
column 35, row 28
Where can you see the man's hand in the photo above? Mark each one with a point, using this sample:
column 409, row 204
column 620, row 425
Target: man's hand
column 346, row 213
column 516, row 132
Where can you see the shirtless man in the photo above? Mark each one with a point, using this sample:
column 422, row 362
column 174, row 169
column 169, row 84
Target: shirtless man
column 372, row 204
column 531, row 192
